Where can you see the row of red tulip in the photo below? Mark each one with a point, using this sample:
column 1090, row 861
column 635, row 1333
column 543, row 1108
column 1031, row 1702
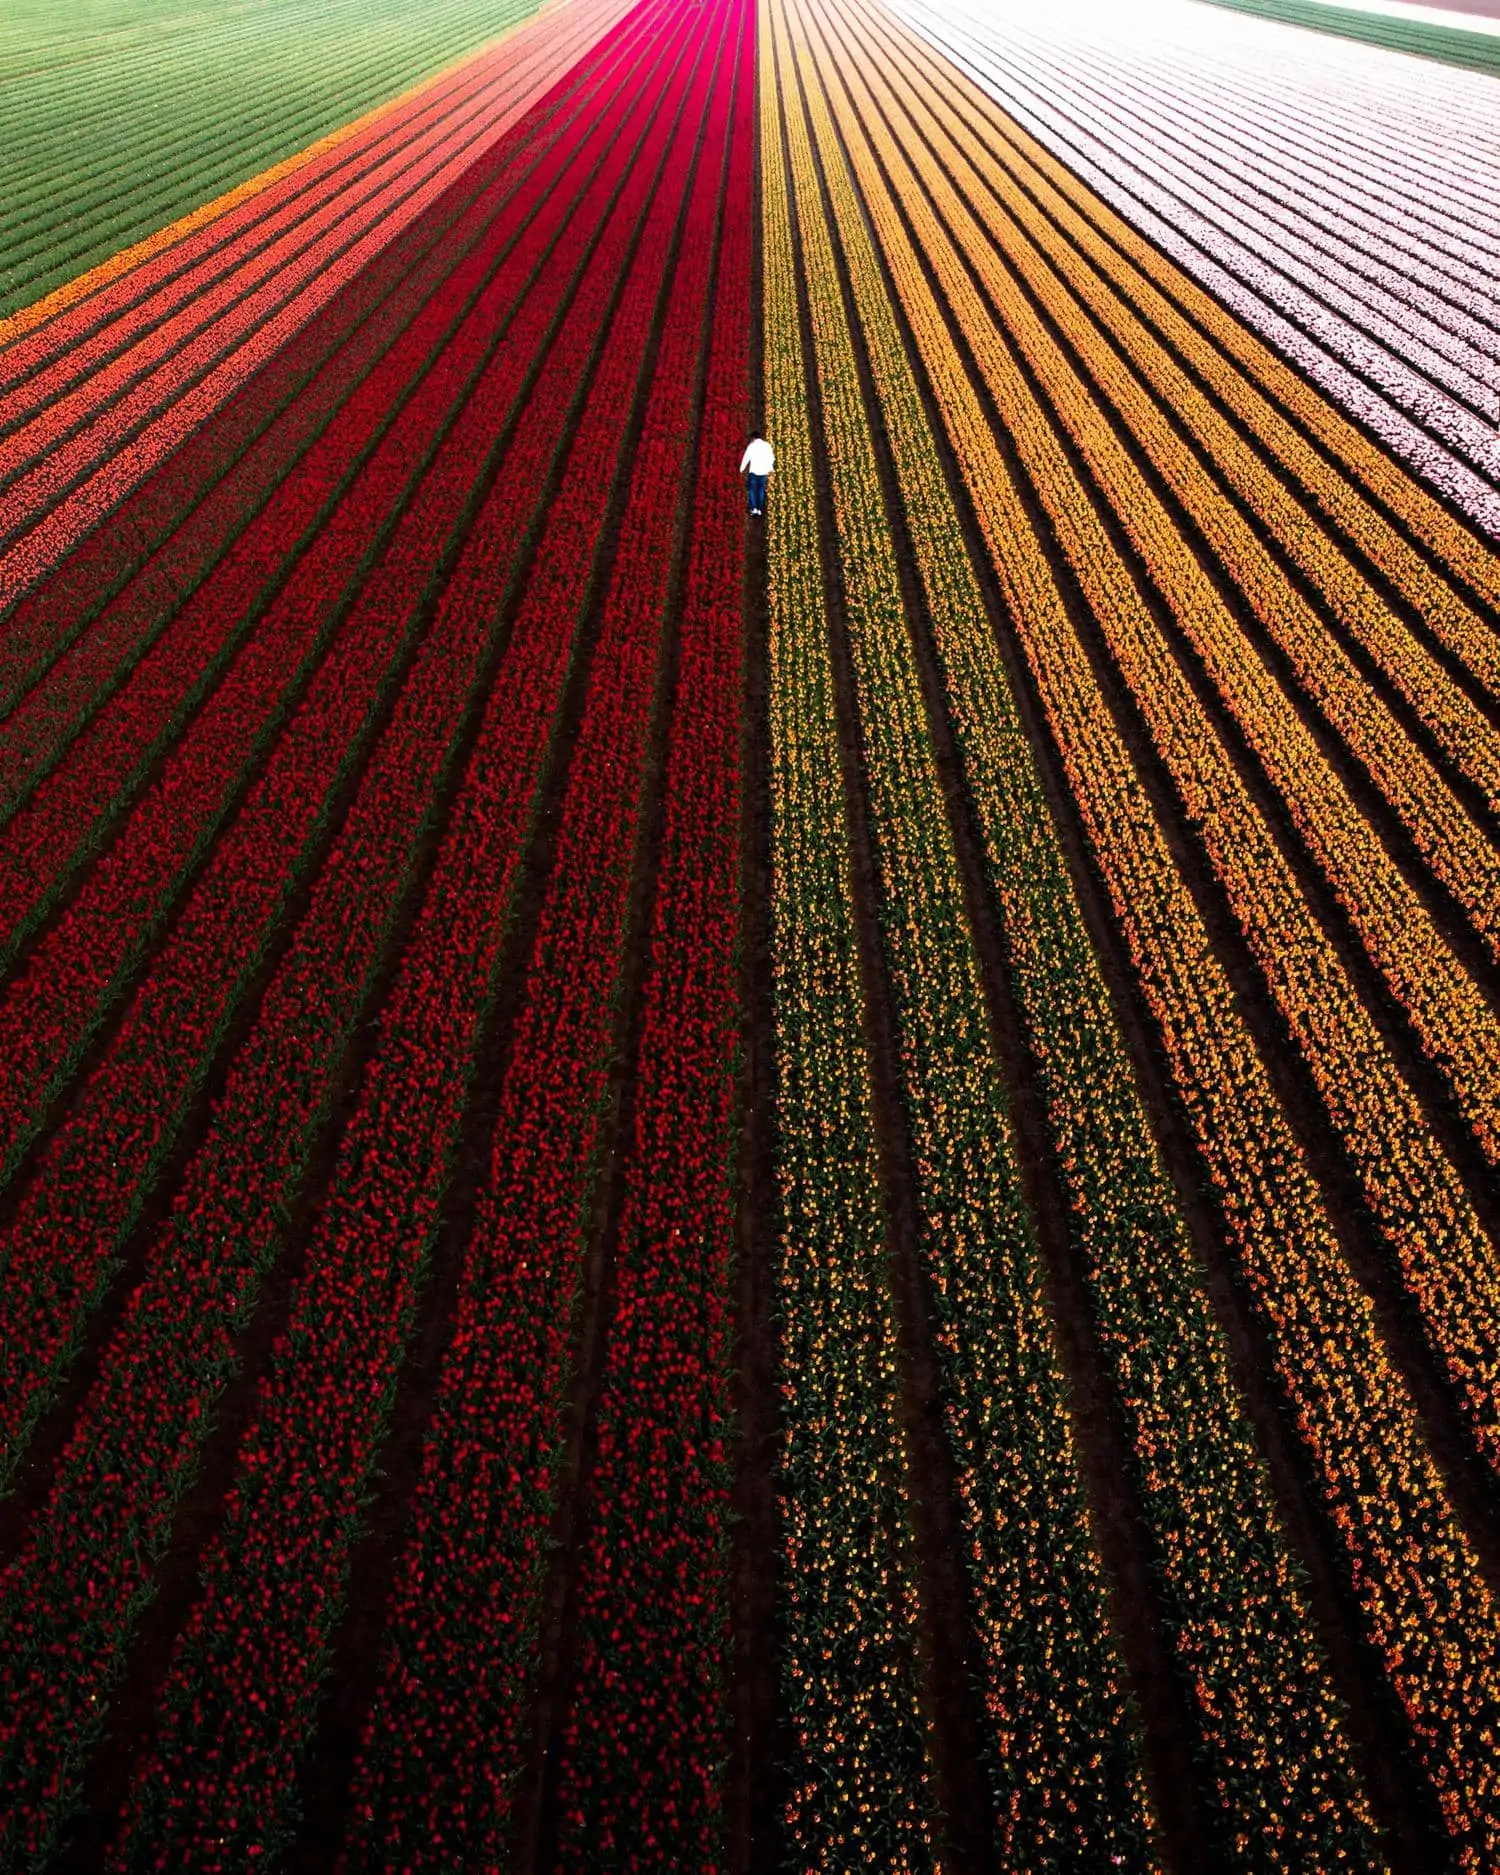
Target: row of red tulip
column 390, row 426
column 128, row 443
column 85, row 1569
column 224, row 1760
column 447, row 1736
column 640, row 1778
column 101, row 1161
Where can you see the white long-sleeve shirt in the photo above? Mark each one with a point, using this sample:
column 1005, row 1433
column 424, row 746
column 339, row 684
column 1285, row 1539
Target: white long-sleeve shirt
column 759, row 458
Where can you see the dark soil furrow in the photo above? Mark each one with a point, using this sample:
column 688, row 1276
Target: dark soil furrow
column 762, row 1744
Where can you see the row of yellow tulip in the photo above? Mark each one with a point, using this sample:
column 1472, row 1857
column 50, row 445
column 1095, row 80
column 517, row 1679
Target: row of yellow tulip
column 1417, row 1579
column 858, row 1781
column 1272, row 1733
column 1061, row 1753
column 1413, row 1190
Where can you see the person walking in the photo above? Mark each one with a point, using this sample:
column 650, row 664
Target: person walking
column 756, row 464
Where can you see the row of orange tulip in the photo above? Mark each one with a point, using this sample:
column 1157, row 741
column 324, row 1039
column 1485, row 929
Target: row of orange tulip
column 1271, row 1727
column 858, row 1783
column 1158, row 401
column 1060, row 1752
column 1410, row 1184
column 1351, row 478
column 1419, row 1583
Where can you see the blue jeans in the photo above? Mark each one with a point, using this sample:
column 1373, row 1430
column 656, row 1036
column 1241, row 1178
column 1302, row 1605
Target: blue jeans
column 757, row 487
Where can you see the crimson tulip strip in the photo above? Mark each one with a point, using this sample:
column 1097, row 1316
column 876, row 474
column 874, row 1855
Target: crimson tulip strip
column 447, row 1737
column 356, row 1294
column 178, row 1340
column 643, row 1746
column 99, row 1164
column 50, row 1008
column 37, row 734
column 74, row 434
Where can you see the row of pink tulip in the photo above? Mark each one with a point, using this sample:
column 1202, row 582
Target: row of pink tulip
column 1364, row 274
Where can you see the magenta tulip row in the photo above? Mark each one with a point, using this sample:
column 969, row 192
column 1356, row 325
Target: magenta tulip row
column 643, row 1744
column 447, row 1738
column 54, row 670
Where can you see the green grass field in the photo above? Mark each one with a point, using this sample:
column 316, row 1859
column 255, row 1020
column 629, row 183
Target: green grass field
column 1450, row 45
column 117, row 116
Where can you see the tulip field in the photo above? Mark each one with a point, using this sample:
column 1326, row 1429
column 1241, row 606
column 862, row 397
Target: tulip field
column 692, row 1191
